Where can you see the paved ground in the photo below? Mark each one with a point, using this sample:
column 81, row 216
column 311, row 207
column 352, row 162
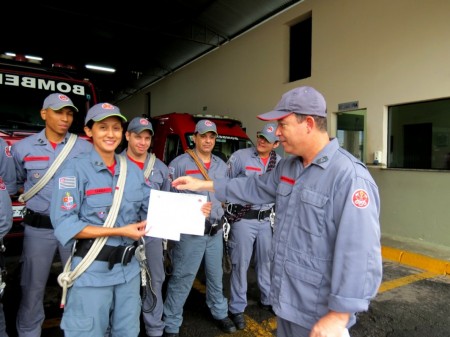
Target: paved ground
column 411, row 302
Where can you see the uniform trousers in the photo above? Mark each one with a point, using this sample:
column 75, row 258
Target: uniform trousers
column 187, row 255
column 247, row 235
column 39, row 249
column 88, row 310
column 154, row 325
column 2, row 322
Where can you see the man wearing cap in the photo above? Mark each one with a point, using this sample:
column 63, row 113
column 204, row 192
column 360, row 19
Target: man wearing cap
column 251, row 225
column 326, row 260
column 188, row 253
column 139, row 137
column 33, row 157
column 92, row 206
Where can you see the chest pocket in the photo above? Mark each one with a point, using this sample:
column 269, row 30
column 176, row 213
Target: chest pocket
column 156, row 180
column 36, row 169
column 133, row 195
column 101, row 200
column 312, row 211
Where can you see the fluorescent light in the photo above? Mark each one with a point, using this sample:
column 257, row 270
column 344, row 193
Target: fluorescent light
column 35, row 58
column 11, row 54
column 100, row 68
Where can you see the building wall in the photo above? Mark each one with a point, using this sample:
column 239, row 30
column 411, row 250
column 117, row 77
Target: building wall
column 378, row 53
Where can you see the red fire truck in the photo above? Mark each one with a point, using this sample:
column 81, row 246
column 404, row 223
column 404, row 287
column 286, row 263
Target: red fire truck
column 174, row 134
column 23, row 88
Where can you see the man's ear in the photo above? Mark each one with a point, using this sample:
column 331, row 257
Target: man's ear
column 275, row 145
column 44, row 114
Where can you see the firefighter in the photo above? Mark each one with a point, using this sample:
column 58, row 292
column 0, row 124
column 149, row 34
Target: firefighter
column 34, row 156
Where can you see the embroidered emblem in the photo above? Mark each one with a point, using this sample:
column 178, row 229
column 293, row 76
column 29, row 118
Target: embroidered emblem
column 68, row 203
column 8, row 151
column 67, row 182
column 360, row 198
column 2, row 184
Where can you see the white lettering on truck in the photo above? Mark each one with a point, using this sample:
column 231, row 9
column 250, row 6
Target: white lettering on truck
column 39, row 83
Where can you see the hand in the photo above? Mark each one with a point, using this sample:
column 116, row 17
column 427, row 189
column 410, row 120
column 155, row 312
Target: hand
column 192, row 184
column 206, row 208
column 135, row 231
column 331, row 325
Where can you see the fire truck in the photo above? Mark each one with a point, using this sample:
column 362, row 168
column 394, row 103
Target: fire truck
column 174, row 135
column 23, row 88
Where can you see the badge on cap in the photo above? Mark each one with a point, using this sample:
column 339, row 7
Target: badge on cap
column 107, row 106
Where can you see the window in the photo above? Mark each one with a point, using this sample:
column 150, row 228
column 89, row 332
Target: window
column 350, row 132
column 419, row 135
column 300, row 50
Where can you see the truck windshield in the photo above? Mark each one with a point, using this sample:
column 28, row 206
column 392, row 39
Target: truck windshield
column 23, row 94
column 225, row 145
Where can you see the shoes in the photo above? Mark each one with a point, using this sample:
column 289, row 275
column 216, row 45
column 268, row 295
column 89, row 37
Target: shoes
column 225, row 324
column 238, row 320
column 171, row 334
column 266, row 307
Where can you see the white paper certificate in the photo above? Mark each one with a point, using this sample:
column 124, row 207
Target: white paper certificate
column 170, row 214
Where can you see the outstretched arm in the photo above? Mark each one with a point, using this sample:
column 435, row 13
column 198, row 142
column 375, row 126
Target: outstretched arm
column 193, row 184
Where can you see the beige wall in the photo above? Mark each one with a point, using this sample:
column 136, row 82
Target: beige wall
column 378, row 53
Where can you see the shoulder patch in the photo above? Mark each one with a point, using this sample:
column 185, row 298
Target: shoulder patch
column 67, row 182
column 360, row 198
column 68, row 202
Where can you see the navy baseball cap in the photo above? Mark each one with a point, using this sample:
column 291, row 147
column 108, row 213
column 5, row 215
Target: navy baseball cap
column 268, row 132
column 301, row 100
column 139, row 124
column 205, row 125
column 58, row 101
column 101, row 111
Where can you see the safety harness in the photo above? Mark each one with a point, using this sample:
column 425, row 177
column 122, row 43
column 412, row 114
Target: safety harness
column 226, row 260
column 51, row 171
column 67, row 277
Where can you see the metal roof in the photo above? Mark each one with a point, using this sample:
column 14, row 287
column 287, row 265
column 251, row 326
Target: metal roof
column 143, row 40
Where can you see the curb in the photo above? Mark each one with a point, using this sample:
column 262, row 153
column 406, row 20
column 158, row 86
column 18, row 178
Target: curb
column 416, row 260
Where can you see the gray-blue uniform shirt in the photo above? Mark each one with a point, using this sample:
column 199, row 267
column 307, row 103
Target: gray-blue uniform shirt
column 245, row 163
column 184, row 165
column 326, row 250
column 83, row 195
column 6, row 214
column 7, row 168
column 33, row 156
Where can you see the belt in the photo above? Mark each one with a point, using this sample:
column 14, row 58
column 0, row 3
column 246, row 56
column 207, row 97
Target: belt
column 257, row 214
column 110, row 254
column 37, row 220
column 212, row 228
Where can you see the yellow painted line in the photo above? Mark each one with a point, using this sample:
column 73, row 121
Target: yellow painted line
column 423, row 262
column 389, row 285
column 253, row 328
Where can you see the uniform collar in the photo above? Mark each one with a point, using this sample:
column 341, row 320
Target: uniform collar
column 99, row 165
column 323, row 157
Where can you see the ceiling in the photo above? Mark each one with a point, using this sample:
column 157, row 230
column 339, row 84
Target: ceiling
column 143, row 41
